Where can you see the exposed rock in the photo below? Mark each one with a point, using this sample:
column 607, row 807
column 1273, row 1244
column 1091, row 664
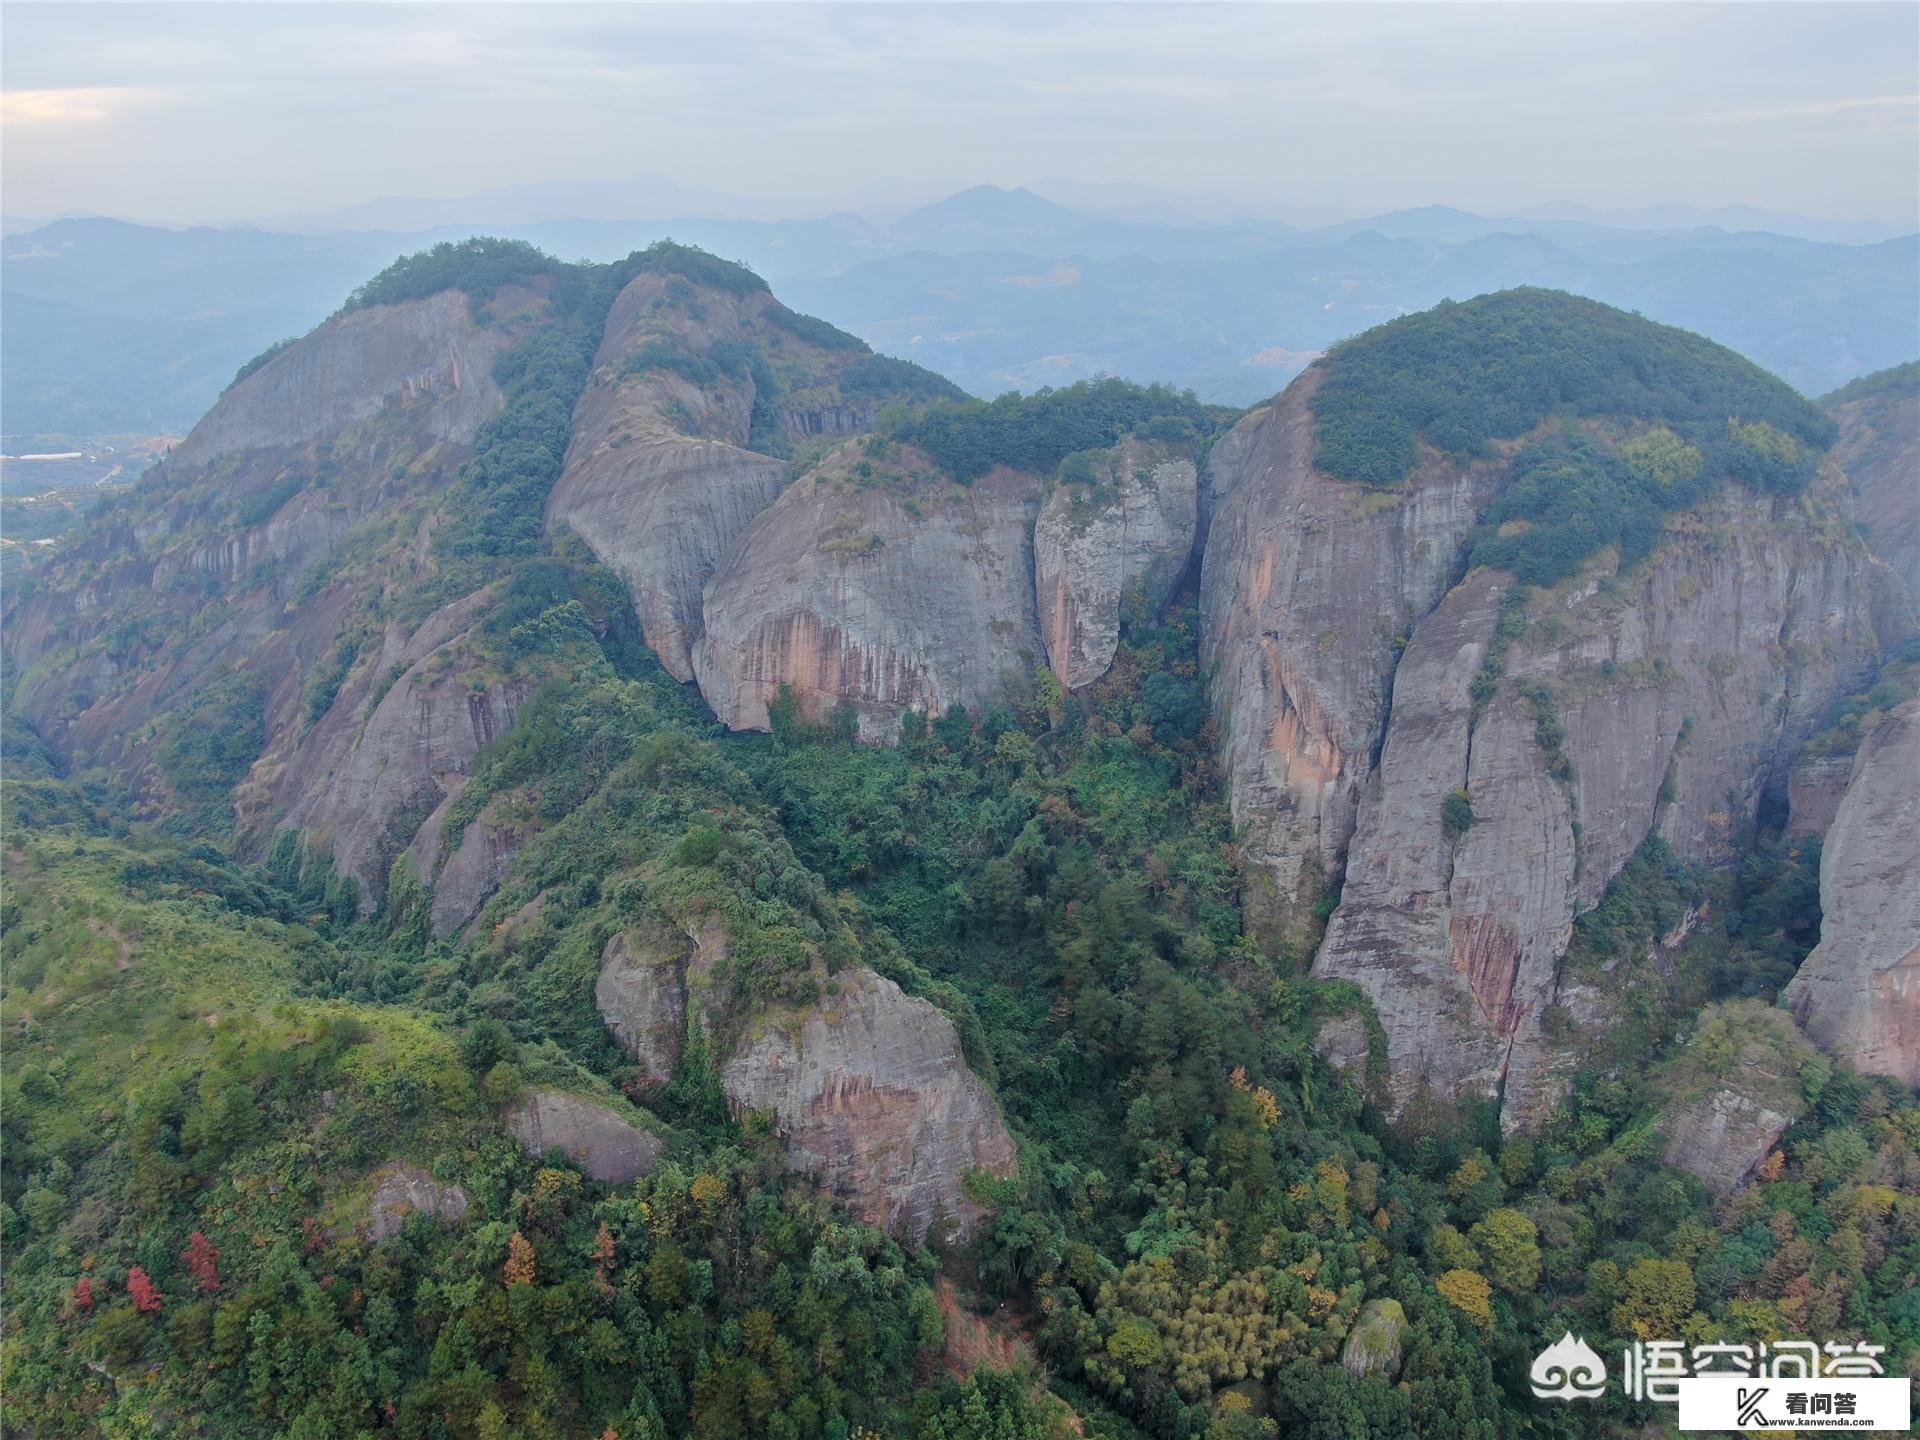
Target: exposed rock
column 429, row 357
column 481, row 861
column 401, row 1190
column 641, row 994
column 1858, row 993
column 1309, row 587
column 603, row 1143
column 1735, row 1090
column 1373, row 1345
column 1879, row 448
column 1105, row 554
column 1344, row 1043
column 371, row 412
column 1815, row 786
column 1680, row 689
column 664, row 474
column 363, row 781
column 870, row 1093
column 852, row 598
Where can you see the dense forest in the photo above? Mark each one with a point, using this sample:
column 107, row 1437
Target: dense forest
column 218, row 1057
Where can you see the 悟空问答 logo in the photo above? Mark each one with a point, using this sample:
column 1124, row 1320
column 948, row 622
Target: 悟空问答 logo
column 1568, row 1369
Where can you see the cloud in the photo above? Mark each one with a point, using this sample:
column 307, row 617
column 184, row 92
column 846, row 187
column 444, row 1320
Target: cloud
column 1816, row 109
column 76, row 105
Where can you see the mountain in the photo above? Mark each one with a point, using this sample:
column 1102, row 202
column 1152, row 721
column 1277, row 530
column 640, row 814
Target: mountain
column 994, row 288
column 637, row 864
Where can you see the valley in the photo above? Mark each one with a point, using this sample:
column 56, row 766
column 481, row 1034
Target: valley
column 619, row 859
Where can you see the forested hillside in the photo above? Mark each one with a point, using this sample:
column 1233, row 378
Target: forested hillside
column 591, row 858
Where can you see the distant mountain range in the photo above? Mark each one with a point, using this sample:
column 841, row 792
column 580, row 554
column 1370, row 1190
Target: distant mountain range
column 113, row 326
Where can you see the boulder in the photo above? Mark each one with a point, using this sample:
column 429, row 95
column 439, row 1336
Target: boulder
column 603, row 1143
column 1733, row 1090
column 1373, row 1345
column 401, row 1190
column 871, row 1095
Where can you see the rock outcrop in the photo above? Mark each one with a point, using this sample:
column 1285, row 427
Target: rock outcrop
column 367, row 417
column 603, row 1143
column 1879, row 448
column 401, row 1190
column 1664, row 699
column 478, row 864
column 1103, row 553
column 876, row 599
column 1374, row 1344
column 385, row 756
column 678, row 440
column 642, row 995
column 1858, row 993
column 1735, row 1088
column 872, row 1097
column 1309, row 589
column 431, row 358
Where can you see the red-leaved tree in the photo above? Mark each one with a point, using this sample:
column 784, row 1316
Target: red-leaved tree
column 147, row 1298
column 83, row 1292
column 203, row 1261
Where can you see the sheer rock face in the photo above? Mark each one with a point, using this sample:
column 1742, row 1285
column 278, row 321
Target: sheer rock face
column 1682, row 688
column 871, row 1095
column 478, row 863
column 401, row 1190
column 851, row 598
column 1879, row 448
column 642, row 995
column 1815, row 787
column 659, row 479
column 1309, row 586
column 428, row 357
column 363, row 780
column 1100, row 556
column 602, row 1142
column 375, row 407
column 1858, row 993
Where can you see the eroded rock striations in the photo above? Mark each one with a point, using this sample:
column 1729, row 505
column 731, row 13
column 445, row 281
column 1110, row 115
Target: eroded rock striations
column 849, row 596
column 1858, row 993
column 1661, row 700
column 871, row 1095
column 1108, row 552
column 1309, row 588
column 1879, row 448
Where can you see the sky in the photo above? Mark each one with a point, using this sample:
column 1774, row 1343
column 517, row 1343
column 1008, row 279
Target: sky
column 219, row 113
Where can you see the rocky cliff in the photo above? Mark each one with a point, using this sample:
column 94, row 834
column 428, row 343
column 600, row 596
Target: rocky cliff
column 1879, row 448
column 1663, row 699
column 871, row 1096
column 697, row 397
column 876, row 598
column 206, row 569
column 1309, row 589
column 1111, row 550
column 1858, row 993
